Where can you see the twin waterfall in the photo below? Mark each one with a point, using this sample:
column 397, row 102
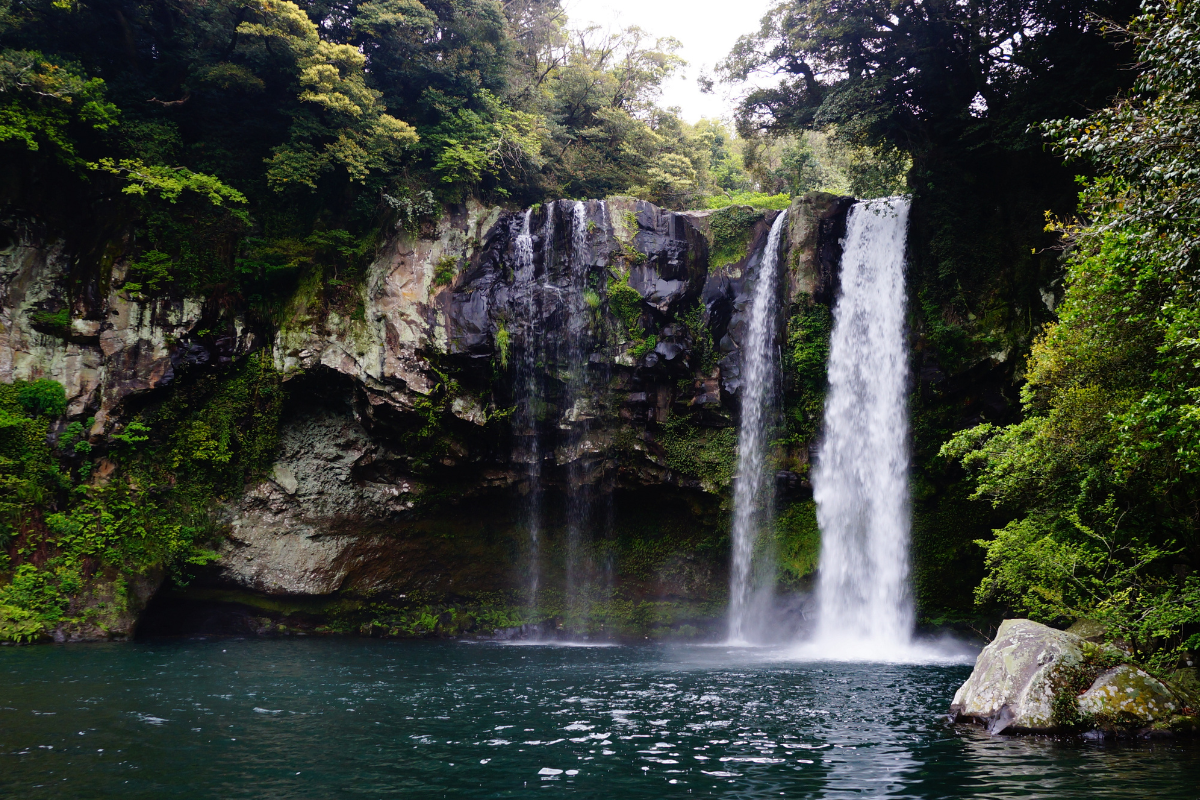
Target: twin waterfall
column 860, row 480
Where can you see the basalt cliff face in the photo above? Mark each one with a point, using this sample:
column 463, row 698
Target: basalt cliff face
column 572, row 369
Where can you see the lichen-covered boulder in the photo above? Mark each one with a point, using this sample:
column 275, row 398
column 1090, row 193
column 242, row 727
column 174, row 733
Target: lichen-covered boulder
column 1035, row 679
column 1130, row 695
column 1012, row 687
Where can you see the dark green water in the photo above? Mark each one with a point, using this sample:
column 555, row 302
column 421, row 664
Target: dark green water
column 360, row 718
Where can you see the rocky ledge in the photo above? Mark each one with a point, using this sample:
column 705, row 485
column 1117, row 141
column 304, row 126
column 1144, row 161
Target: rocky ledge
column 1038, row 680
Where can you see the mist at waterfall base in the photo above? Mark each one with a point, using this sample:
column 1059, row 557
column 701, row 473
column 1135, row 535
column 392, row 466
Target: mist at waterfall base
column 336, row 718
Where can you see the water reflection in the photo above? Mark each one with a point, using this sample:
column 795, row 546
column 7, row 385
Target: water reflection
column 331, row 718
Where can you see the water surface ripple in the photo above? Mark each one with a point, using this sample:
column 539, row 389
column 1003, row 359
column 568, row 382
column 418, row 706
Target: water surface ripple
column 361, row 718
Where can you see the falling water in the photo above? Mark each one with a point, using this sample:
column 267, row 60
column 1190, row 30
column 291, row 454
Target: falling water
column 752, row 492
column 860, row 481
column 577, row 416
column 526, row 447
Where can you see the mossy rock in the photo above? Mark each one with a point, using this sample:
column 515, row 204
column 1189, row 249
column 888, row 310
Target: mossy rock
column 1035, row 679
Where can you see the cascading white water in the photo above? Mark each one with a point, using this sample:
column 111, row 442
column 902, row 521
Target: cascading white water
column 526, row 446
column 751, row 489
column 573, row 354
column 860, row 481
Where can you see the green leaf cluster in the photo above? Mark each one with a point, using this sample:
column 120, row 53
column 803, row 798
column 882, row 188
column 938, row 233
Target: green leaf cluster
column 67, row 530
column 1103, row 474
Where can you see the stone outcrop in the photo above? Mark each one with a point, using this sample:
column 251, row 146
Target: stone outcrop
column 1035, row 679
column 407, row 389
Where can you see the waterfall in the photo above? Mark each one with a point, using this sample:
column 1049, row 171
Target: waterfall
column 752, row 493
column 526, row 448
column 860, row 482
column 577, row 414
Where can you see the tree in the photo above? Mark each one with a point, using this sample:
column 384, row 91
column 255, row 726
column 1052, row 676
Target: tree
column 1103, row 474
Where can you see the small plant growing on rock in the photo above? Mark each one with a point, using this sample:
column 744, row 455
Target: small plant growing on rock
column 502, row 345
column 445, row 270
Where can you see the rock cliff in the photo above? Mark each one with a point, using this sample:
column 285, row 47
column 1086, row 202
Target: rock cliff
column 579, row 361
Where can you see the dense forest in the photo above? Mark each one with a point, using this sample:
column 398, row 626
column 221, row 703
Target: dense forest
column 234, row 151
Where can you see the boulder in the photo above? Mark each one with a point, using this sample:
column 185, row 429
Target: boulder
column 1128, row 693
column 1035, row 679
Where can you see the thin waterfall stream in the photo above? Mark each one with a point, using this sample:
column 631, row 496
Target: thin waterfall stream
column 527, row 449
column 860, row 481
column 577, row 414
column 752, row 491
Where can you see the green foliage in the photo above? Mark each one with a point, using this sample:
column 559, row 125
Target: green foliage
column 730, row 228
column 1101, row 475
column 340, row 121
column 29, row 475
column 222, row 432
column 798, row 540
column 148, row 275
column 150, row 513
column 804, row 364
column 44, row 96
column 756, row 200
column 168, row 182
column 709, row 454
column 626, row 303
column 43, row 397
column 703, row 349
column 444, row 271
column 1145, row 143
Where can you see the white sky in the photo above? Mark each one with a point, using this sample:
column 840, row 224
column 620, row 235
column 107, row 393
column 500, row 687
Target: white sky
column 708, row 30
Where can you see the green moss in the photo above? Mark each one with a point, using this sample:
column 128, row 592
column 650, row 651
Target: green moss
column 628, row 249
column 709, row 454
column 703, row 348
column 503, row 343
column 643, row 347
column 626, row 304
column 1070, row 681
column 55, row 323
column 798, row 540
column 805, row 360
column 730, row 229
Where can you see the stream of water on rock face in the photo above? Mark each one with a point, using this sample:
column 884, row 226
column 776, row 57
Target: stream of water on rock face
column 860, row 481
column 752, row 493
column 577, row 413
column 526, row 448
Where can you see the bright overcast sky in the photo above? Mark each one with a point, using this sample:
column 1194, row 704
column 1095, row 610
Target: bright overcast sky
column 707, row 29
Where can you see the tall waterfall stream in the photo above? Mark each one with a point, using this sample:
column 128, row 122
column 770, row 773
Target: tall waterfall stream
column 860, row 482
column 752, row 491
